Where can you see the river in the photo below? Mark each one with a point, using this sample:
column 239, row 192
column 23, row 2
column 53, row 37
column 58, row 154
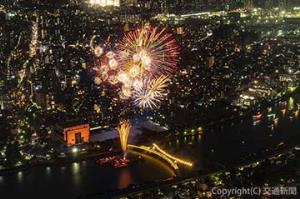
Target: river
column 223, row 145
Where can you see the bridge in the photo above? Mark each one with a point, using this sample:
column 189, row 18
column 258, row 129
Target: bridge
column 168, row 158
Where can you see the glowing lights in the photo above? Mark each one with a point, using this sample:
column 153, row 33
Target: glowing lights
column 98, row 51
column 136, row 58
column 134, row 71
column 258, row 116
column 126, row 92
column 151, row 151
column 271, row 116
column 113, row 64
column 104, row 3
column 123, row 77
column 177, row 160
column 75, row 150
column 153, row 49
column 283, row 111
column 276, row 120
column 97, row 80
column 150, row 95
column 142, row 63
column 296, row 113
column 137, row 84
column 113, row 79
column 34, row 38
column 124, row 130
column 146, row 62
column 172, row 160
column 292, row 89
column 291, row 103
column 110, row 54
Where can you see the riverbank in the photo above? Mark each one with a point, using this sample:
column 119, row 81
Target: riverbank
column 168, row 136
column 60, row 161
column 221, row 145
column 243, row 114
column 138, row 191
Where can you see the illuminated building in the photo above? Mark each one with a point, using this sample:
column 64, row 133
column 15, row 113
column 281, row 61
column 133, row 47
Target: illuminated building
column 33, row 44
column 180, row 30
column 75, row 133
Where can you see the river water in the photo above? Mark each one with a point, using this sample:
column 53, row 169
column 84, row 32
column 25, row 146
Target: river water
column 223, row 145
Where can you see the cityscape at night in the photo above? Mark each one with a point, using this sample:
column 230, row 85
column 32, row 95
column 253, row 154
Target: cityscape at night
column 150, row 99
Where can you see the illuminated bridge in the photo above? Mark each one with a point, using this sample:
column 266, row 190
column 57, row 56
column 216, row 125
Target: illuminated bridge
column 170, row 159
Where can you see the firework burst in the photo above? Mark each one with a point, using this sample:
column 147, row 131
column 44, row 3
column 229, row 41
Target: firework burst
column 150, row 51
column 152, row 92
column 98, row 51
column 140, row 64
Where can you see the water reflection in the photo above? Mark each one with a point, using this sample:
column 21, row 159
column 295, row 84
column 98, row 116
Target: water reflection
column 216, row 148
column 48, row 171
column 177, row 142
column 20, row 176
column 157, row 162
column 63, row 168
column 124, row 179
column 75, row 168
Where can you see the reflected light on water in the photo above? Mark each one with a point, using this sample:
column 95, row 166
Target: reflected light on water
column 48, row 170
column 124, row 179
column 20, row 176
column 157, row 162
column 63, row 168
column 75, row 168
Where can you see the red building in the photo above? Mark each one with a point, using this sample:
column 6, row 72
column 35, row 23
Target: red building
column 77, row 134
